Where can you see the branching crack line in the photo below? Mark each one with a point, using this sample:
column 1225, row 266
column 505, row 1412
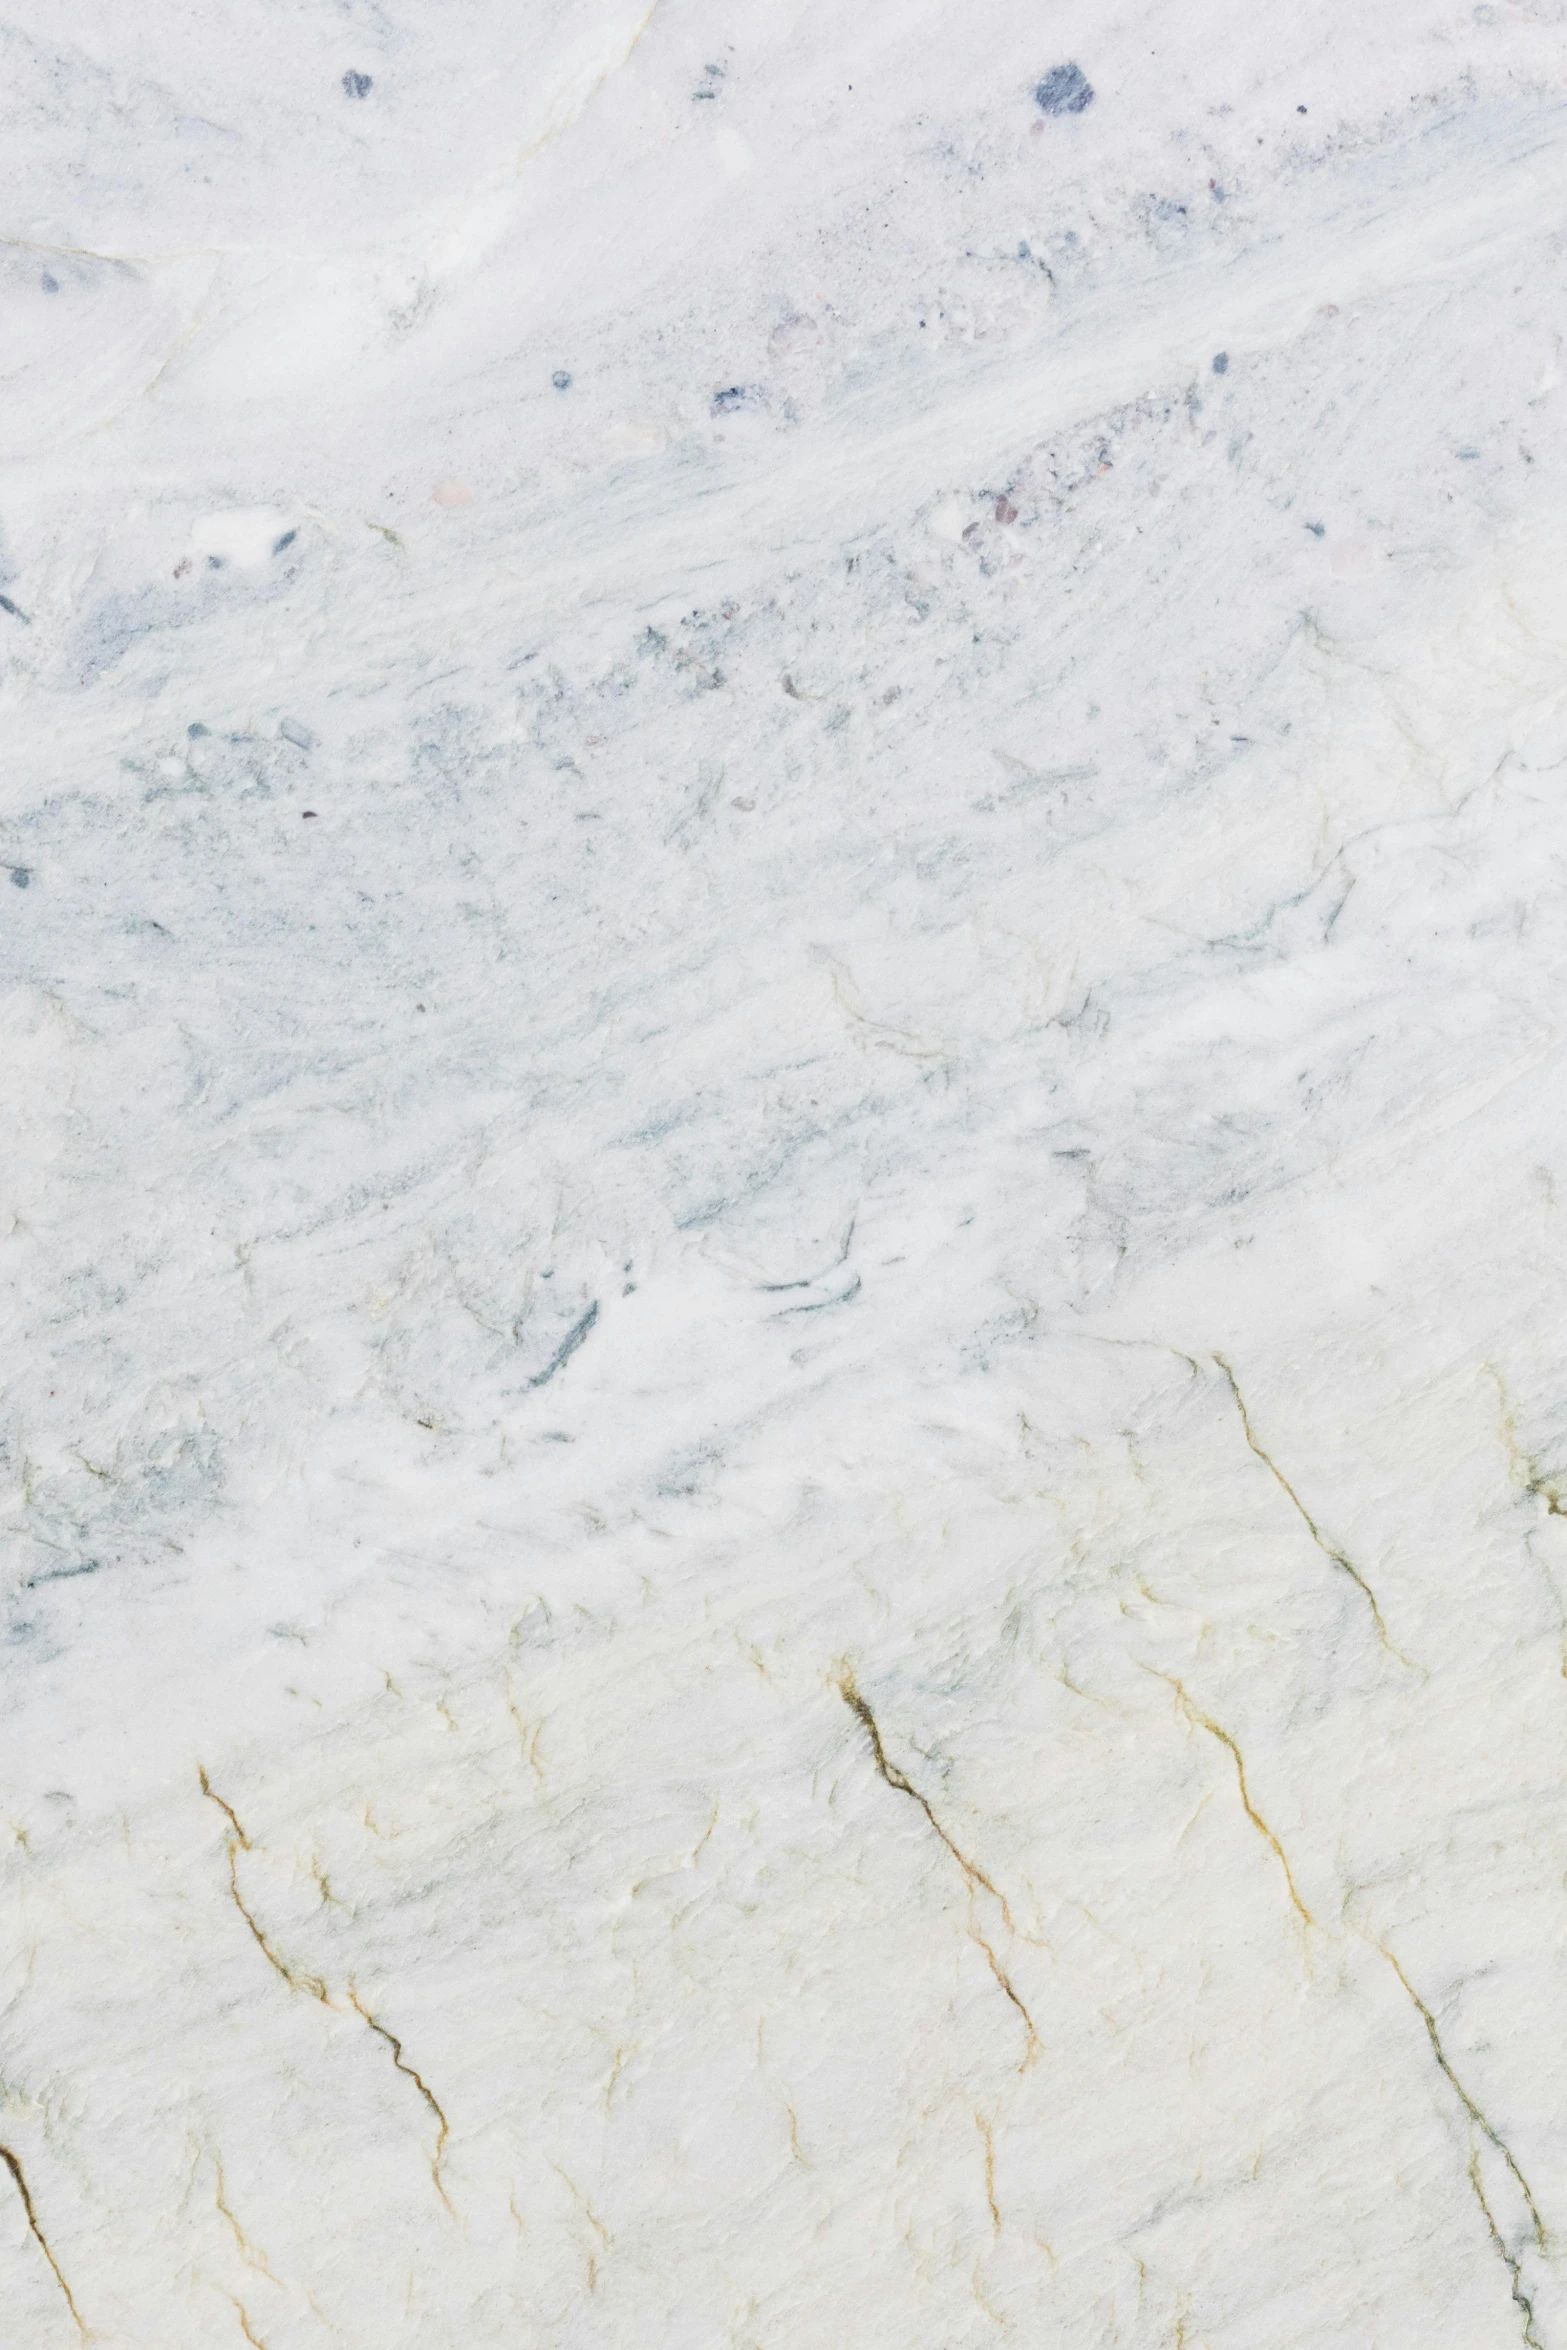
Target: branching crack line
column 247, row 2250
column 1535, row 1483
column 315, row 1988
column 441, row 2128
column 1201, row 1721
column 237, row 1839
column 1521, row 2299
column 22, row 2188
column 1489, row 2131
column 1330, row 1552
column 975, row 1876
column 1527, row 1472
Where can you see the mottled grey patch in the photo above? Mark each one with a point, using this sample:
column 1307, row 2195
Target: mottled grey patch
column 1065, row 89
column 108, row 633
column 357, row 85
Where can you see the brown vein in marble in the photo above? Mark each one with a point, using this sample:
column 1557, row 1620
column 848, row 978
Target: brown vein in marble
column 20, row 2177
column 1482, row 2122
column 1488, row 2130
column 248, row 2251
column 527, row 1742
column 1202, row 1721
column 254, row 2339
column 442, row 2130
column 1514, row 2271
column 1535, row 1483
column 313, row 1986
column 848, row 1689
column 1330, row 1551
column 212, row 1796
column 597, row 2225
column 1524, row 1466
column 988, row 2141
column 889, row 1770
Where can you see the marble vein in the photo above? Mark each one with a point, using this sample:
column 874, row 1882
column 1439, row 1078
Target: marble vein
column 783, row 909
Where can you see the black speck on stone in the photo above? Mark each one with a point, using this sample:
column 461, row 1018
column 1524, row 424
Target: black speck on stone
column 732, row 397
column 51, row 285
column 20, row 877
column 286, row 540
column 357, row 85
column 1221, row 363
column 1300, row 110
column 561, row 380
column 196, row 730
column 1317, row 529
column 1065, row 89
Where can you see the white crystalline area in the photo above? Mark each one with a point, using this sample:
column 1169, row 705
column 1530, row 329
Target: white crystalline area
column 783, row 838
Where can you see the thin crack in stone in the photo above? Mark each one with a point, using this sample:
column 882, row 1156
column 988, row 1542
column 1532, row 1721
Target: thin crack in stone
column 212, row 1796
column 442, row 2130
column 849, row 1690
column 1334, row 1556
column 248, row 2252
column 253, row 2339
column 1201, row 1721
column 1004, row 1983
column 311, row 1985
column 42, row 2241
column 315, row 1988
column 1535, row 1483
column 1512, row 2266
column 1528, row 1473
column 987, row 2139
column 1488, row 2130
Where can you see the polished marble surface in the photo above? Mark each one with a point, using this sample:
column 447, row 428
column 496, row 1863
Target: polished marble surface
column 785, row 1374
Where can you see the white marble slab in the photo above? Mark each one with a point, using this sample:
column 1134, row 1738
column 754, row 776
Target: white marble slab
column 785, row 1373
